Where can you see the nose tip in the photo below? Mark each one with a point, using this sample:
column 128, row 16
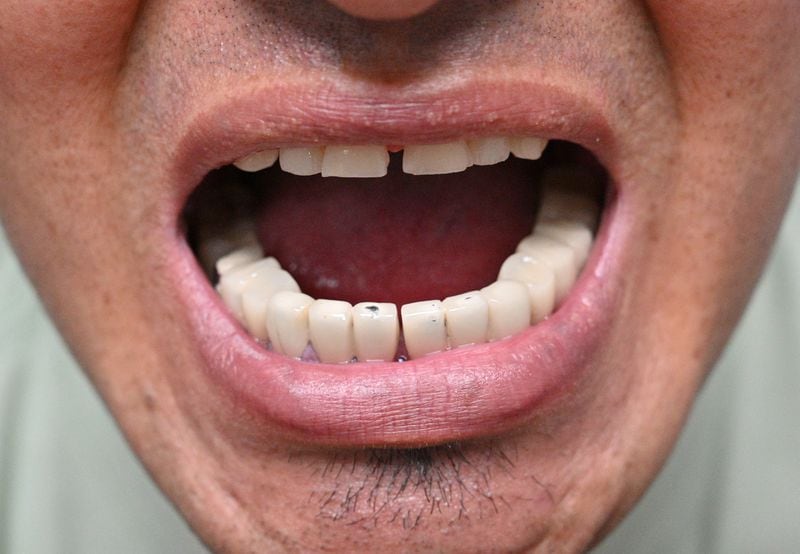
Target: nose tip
column 384, row 9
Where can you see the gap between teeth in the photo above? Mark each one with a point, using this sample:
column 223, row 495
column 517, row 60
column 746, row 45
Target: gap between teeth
column 531, row 284
column 373, row 160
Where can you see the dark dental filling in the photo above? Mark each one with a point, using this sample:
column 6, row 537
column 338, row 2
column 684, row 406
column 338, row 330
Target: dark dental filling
column 399, row 238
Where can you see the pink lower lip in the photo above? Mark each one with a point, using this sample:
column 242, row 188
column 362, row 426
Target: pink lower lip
column 455, row 395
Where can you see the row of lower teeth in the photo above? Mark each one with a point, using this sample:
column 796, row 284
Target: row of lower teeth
column 373, row 161
column 531, row 284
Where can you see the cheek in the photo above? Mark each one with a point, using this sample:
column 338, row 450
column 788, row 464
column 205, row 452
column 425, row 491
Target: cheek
column 52, row 49
column 728, row 44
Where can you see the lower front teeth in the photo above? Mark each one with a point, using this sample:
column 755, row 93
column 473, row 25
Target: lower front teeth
column 531, row 283
column 330, row 324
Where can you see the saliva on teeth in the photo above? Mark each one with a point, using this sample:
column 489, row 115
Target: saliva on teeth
column 531, row 285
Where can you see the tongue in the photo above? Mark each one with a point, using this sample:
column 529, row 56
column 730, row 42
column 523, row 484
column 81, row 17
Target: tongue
column 400, row 238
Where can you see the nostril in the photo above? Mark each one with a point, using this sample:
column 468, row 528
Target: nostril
column 384, row 9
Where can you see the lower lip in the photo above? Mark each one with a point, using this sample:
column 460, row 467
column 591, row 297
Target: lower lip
column 460, row 394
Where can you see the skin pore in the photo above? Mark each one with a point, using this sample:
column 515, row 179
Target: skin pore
column 96, row 99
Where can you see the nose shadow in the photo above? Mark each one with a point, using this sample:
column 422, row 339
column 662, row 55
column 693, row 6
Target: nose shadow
column 391, row 51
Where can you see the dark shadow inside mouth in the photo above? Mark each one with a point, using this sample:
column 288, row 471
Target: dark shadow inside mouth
column 400, row 238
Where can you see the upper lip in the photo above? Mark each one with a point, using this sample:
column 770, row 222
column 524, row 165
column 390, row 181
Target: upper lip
column 455, row 395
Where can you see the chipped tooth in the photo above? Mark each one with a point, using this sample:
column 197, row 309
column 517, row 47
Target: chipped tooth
column 528, row 148
column 566, row 196
column 436, row 159
column 509, row 308
column 330, row 324
column 489, row 150
column 256, row 295
column 467, row 318
column 424, row 327
column 355, row 161
column 257, row 160
column 573, row 233
column 238, row 258
column 539, row 280
column 302, row 161
column 287, row 322
column 231, row 284
column 377, row 330
column 555, row 254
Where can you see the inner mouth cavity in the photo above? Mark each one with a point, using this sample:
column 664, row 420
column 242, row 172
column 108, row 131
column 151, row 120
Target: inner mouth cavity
column 369, row 253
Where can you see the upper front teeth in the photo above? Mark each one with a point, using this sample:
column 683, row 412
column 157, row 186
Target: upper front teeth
column 373, row 160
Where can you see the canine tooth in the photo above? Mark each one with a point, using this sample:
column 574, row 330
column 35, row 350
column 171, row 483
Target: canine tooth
column 539, row 280
column 574, row 233
column 231, row 284
column 257, row 160
column 528, row 148
column 467, row 318
column 436, row 159
column 237, row 258
column 489, row 150
column 355, row 161
column 256, row 295
column 555, row 254
column 377, row 330
column 330, row 324
column 287, row 322
column 302, row 161
column 562, row 199
column 509, row 308
column 424, row 327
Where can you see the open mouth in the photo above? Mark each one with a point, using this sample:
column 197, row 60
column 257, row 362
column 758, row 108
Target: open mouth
column 480, row 255
column 345, row 254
